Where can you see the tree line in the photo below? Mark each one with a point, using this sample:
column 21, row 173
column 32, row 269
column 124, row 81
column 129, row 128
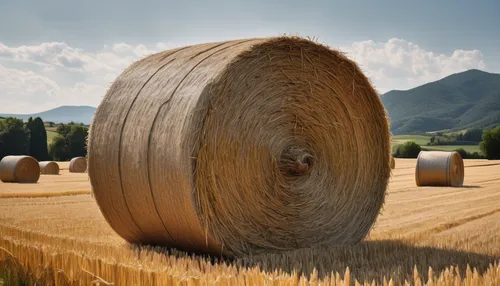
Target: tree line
column 469, row 137
column 30, row 138
column 489, row 145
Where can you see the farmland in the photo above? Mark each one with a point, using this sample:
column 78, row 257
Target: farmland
column 50, row 136
column 422, row 140
column 55, row 229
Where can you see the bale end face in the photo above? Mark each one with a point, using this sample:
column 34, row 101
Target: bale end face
column 78, row 165
column 393, row 163
column 49, row 168
column 241, row 147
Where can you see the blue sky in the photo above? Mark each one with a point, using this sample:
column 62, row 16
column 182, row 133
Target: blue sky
column 58, row 52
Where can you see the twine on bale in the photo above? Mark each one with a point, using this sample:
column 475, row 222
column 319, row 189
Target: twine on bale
column 241, row 147
column 78, row 165
column 49, row 168
column 439, row 168
column 19, row 169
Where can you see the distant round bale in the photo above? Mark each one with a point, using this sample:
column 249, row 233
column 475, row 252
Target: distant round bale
column 393, row 163
column 19, row 169
column 239, row 147
column 49, row 168
column 439, row 168
column 78, row 165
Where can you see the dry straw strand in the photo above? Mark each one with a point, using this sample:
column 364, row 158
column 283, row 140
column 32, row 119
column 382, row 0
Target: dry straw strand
column 49, row 168
column 439, row 168
column 241, row 147
column 19, row 169
column 78, row 165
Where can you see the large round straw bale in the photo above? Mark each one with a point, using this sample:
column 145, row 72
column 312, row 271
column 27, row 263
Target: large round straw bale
column 439, row 168
column 49, row 168
column 19, row 169
column 78, row 165
column 241, row 147
column 393, row 163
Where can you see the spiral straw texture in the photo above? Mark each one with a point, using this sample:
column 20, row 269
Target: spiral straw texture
column 78, row 165
column 439, row 168
column 49, row 168
column 19, row 169
column 241, row 147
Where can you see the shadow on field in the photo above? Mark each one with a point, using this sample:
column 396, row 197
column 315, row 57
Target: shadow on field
column 470, row 187
column 371, row 260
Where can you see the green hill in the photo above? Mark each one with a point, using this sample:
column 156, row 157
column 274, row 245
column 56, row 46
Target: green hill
column 463, row 100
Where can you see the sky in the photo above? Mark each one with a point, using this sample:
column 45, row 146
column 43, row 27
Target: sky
column 57, row 52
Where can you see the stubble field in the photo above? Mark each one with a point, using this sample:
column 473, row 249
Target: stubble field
column 54, row 231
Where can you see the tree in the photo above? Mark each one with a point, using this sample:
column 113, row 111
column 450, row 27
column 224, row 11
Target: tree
column 14, row 137
column 462, row 152
column 409, row 149
column 59, row 149
column 38, row 139
column 29, row 123
column 77, row 141
column 490, row 146
column 70, row 142
column 474, row 135
column 63, row 129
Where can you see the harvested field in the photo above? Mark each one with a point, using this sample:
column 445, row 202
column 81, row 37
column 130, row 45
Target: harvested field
column 422, row 232
column 64, row 184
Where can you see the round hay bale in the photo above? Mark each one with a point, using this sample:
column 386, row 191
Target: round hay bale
column 439, row 168
column 241, row 147
column 49, row 168
column 78, row 165
column 19, row 169
column 393, row 163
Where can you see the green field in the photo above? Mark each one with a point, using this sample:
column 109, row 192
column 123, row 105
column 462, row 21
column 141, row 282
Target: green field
column 422, row 140
column 468, row 148
column 50, row 135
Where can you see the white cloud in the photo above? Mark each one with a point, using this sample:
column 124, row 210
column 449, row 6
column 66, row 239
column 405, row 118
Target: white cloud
column 34, row 78
column 121, row 48
column 46, row 54
column 52, row 74
column 399, row 64
column 142, row 51
column 20, row 90
column 13, row 81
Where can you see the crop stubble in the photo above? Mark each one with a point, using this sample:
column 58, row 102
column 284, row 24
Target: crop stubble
column 419, row 228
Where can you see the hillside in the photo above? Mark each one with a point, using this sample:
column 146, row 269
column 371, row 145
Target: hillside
column 62, row 114
column 462, row 100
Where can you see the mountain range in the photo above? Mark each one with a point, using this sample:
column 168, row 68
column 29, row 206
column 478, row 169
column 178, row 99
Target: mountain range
column 469, row 99
column 460, row 101
column 61, row 114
